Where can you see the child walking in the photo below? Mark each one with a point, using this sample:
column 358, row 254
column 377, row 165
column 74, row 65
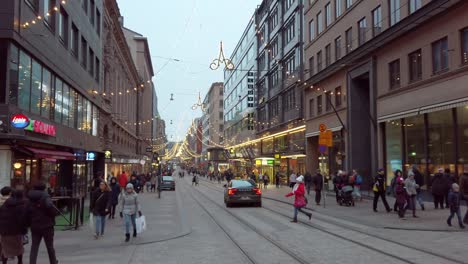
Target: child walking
column 454, row 203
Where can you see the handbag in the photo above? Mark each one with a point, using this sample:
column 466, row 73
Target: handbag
column 375, row 188
column 140, row 224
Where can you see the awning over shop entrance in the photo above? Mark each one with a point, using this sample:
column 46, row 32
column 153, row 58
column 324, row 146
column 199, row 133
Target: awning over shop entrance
column 50, row 154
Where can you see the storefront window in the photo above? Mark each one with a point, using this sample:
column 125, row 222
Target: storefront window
column 72, row 110
column 80, row 112
column 267, row 146
column 297, row 141
column 462, row 116
column 393, row 148
column 58, row 100
column 414, row 142
column 46, row 85
column 14, row 64
column 24, row 81
column 95, row 120
column 335, row 153
column 36, row 88
column 280, row 144
column 441, row 141
column 89, row 119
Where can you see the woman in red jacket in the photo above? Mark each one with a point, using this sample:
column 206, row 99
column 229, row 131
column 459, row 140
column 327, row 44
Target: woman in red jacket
column 299, row 199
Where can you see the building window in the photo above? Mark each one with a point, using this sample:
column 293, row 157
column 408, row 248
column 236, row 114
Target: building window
column 74, row 40
column 349, row 40
column 338, row 48
column 415, row 66
column 274, row 48
column 394, row 72
column 274, row 78
column 98, row 22
column 328, row 101
column 84, row 52
column 338, row 10
column 97, row 65
column 394, row 12
column 66, row 109
column 464, row 45
column 221, row 103
column 328, row 15
column 288, row 4
column 440, row 55
column 319, row 23
column 414, row 5
column 46, row 93
column 290, row 65
column 376, row 21
column 63, row 26
column 274, row 108
column 349, row 3
column 311, row 66
column 362, row 26
column 49, row 13
column 58, row 100
column 319, row 105
column 311, row 30
column 290, row 32
column 92, row 10
column 36, row 83
column 327, row 55
column 261, row 62
column 274, row 18
column 311, row 108
column 319, row 61
column 84, row 5
column 91, row 61
column 338, row 96
column 290, row 100
column 24, row 81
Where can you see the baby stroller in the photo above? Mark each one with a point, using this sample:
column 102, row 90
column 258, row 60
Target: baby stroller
column 345, row 196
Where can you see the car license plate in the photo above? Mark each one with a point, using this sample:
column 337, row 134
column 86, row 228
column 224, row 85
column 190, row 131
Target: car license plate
column 245, row 198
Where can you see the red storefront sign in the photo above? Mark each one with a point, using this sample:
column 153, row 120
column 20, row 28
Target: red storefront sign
column 19, row 121
column 41, row 128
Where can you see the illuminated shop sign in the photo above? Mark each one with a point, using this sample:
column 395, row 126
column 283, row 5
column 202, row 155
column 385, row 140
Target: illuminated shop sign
column 41, row 128
column 19, row 121
column 90, row 155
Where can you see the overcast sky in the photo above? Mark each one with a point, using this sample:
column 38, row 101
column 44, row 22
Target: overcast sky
column 189, row 31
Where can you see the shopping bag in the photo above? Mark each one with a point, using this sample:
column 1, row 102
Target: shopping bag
column 91, row 224
column 140, row 224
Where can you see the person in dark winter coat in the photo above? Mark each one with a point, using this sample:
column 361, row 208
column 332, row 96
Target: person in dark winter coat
column 13, row 227
column 454, row 203
column 40, row 216
column 393, row 185
column 100, row 207
column 318, row 185
column 308, row 181
column 448, row 185
column 277, row 179
column 401, row 196
column 379, row 190
column 136, row 183
column 115, row 191
column 5, row 193
column 438, row 189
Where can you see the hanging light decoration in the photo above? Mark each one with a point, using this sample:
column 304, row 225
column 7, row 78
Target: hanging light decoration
column 199, row 104
column 228, row 65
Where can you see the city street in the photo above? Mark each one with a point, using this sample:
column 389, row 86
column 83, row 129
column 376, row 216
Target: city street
column 192, row 225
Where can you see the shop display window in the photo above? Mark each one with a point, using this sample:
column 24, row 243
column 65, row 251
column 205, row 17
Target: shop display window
column 393, row 132
column 462, row 129
column 441, row 141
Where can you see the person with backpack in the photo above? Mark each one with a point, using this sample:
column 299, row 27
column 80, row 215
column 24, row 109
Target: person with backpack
column 129, row 208
column 357, row 183
column 40, row 217
column 13, row 227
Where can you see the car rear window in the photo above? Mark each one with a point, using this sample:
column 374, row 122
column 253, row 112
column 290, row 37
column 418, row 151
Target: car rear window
column 167, row 178
column 241, row 184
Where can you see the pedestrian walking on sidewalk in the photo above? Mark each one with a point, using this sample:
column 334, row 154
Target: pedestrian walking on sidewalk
column 13, row 227
column 357, row 185
column 393, row 186
column 448, row 186
column 277, row 179
column 318, row 185
column 438, row 188
column 40, row 216
column 338, row 183
column 464, row 193
column 5, row 193
column 454, row 204
column 292, row 179
column 379, row 190
column 154, row 180
column 266, row 180
column 129, row 208
column 100, row 205
column 401, row 197
column 123, row 180
column 419, row 178
column 300, row 201
column 411, row 186
column 115, row 191
column 308, row 182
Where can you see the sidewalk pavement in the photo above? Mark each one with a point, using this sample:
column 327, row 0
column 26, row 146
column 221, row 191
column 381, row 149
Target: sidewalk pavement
column 362, row 213
column 165, row 220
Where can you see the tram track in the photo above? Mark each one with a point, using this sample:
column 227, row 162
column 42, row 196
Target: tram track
column 353, row 229
column 244, row 251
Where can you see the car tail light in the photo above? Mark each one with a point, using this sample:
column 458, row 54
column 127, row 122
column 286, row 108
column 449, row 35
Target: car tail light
column 257, row 191
column 232, row 191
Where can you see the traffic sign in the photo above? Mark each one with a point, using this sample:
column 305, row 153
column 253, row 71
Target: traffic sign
column 322, row 128
column 326, row 138
column 322, row 149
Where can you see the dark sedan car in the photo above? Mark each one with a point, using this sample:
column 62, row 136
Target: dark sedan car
column 242, row 192
column 168, row 183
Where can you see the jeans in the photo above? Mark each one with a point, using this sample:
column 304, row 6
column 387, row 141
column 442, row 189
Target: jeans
column 452, row 213
column 37, row 235
column 412, row 203
column 357, row 192
column 100, row 224
column 129, row 220
column 419, row 198
column 112, row 212
column 297, row 210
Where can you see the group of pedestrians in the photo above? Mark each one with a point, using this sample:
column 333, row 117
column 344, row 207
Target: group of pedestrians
column 18, row 214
